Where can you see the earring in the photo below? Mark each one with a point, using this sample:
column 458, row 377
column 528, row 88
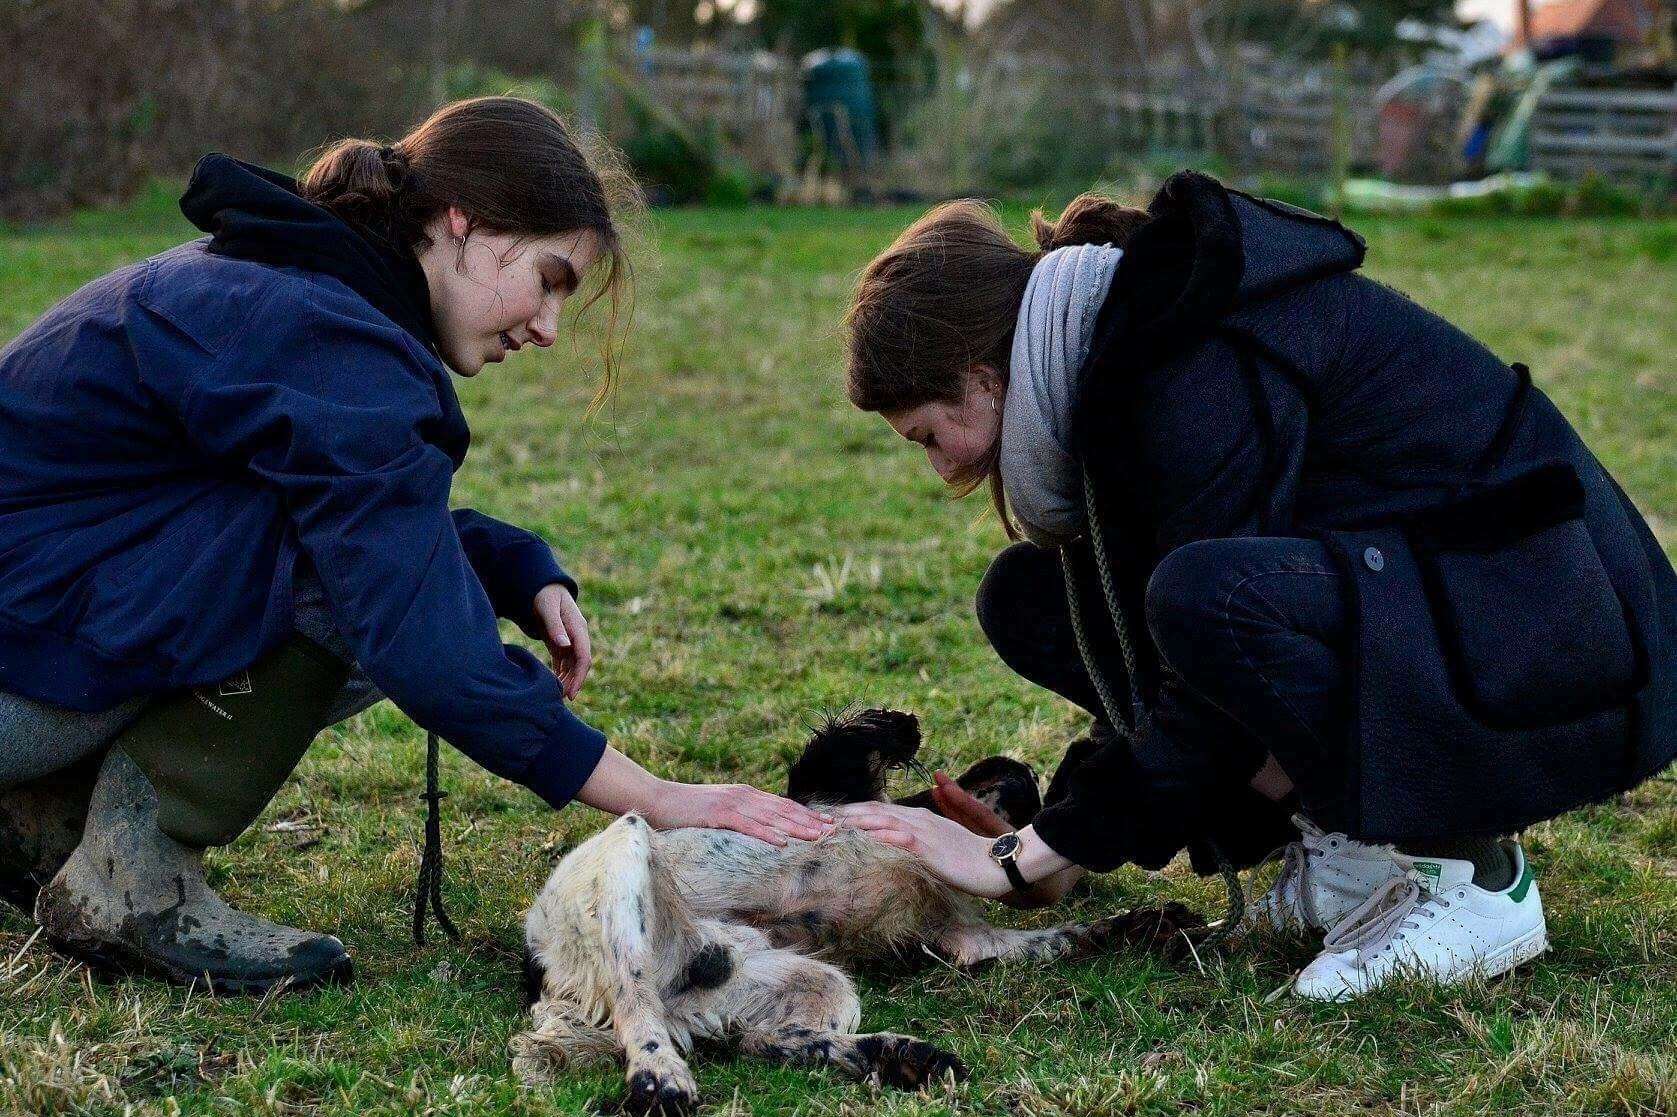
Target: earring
column 994, row 406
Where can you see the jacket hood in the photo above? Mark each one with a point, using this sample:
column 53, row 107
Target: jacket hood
column 1208, row 250
column 253, row 213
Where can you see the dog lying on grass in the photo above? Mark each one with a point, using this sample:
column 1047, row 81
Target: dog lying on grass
column 642, row 942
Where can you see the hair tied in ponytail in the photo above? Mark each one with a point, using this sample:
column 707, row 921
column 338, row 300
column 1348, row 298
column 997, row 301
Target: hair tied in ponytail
column 395, row 162
column 1090, row 219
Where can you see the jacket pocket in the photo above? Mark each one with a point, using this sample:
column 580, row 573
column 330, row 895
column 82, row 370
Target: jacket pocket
column 1533, row 630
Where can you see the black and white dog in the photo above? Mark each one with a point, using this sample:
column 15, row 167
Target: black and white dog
column 643, row 941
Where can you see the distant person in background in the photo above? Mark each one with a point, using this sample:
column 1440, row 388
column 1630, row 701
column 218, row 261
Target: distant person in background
column 225, row 524
column 1302, row 547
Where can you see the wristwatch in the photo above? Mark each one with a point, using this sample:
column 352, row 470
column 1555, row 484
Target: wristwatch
column 1004, row 851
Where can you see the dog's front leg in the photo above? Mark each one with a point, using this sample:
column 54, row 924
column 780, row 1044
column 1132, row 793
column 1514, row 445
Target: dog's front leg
column 1165, row 930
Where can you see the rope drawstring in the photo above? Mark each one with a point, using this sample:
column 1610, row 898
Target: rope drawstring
column 429, row 889
column 1128, row 729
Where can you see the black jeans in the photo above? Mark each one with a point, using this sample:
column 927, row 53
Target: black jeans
column 1253, row 637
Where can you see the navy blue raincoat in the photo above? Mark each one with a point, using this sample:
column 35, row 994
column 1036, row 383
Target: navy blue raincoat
column 179, row 435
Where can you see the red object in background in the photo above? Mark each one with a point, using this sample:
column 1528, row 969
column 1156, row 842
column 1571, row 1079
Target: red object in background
column 1400, row 124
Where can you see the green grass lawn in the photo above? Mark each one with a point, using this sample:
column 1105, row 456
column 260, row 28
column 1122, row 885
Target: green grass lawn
column 754, row 553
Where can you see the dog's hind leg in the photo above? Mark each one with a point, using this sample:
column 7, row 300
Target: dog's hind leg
column 788, row 1007
column 610, row 936
column 1166, row 930
column 640, row 936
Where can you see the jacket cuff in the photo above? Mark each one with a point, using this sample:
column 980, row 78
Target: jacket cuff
column 565, row 765
column 1064, row 830
column 1114, row 809
column 527, row 571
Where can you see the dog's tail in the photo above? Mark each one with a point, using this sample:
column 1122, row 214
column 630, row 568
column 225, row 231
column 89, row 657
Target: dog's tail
column 560, row 1040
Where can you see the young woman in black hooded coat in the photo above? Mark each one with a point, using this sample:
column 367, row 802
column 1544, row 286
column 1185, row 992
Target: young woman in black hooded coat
column 1301, row 546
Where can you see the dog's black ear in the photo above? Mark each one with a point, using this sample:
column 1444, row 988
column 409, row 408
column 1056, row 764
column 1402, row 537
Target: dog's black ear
column 847, row 759
column 1005, row 785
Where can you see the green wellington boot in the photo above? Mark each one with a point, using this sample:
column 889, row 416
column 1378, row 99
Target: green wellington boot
column 194, row 771
column 40, row 826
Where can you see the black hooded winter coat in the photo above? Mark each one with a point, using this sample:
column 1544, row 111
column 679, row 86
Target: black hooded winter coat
column 1515, row 621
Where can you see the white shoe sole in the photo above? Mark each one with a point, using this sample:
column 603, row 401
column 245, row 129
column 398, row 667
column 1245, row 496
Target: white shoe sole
column 1516, row 953
column 1494, row 964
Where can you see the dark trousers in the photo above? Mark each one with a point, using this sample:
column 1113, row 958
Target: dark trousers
column 1253, row 639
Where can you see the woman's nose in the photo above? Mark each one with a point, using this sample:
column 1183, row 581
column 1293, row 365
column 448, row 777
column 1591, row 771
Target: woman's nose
column 544, row 327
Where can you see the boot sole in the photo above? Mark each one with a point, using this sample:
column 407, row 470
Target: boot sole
column 116, row 962
column 63, row 925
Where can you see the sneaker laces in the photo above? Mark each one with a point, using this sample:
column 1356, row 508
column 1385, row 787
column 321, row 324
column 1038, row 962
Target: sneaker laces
column 1295, row 868
column 1393, row 908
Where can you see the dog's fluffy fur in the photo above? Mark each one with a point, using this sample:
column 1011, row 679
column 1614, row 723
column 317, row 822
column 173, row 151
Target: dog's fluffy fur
column 642, row 942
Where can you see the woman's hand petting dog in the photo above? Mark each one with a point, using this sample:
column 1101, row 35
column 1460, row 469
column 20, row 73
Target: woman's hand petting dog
column 565, row 631
column 735, row 806
column 958, row 803
column 958, row 856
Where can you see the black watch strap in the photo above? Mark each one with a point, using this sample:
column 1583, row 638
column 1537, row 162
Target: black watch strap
column 1011, row 868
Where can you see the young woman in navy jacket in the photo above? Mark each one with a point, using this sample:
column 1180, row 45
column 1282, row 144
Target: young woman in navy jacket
column 225, row 524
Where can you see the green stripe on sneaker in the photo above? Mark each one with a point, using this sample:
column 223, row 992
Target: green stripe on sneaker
column 1523, row 887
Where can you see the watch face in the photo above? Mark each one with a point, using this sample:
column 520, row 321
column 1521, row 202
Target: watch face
column 1005, row 846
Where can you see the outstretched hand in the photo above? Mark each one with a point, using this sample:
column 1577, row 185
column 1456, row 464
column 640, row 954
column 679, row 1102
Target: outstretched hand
column 739, row 807
column 959, row 857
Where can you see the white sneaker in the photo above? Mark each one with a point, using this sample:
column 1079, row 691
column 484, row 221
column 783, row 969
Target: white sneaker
column 1434, row 923
column 1323, row 877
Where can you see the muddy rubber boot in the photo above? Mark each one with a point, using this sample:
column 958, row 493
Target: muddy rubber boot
column 193, row 772
column 40, row 826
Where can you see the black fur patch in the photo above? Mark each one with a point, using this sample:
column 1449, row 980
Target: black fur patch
column 847, row 759
column 533, row 977
column 1010, row 784
column 710, row 967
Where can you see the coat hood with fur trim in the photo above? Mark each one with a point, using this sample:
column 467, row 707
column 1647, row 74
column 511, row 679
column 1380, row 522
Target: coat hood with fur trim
column 1209, row 250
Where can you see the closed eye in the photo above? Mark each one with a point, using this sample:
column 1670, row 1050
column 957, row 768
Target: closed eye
column 558, row 275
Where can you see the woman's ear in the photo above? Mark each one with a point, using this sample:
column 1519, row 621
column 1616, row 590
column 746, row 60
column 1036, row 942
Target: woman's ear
column 458, row 223
column 988, row 380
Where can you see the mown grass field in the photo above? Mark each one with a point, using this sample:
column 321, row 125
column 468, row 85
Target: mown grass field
column 753, row 554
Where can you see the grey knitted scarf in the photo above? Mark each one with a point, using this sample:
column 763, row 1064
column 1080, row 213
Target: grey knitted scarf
column 1040, row 475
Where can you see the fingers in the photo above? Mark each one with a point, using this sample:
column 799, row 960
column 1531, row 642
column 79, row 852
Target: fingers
column 944, row 802
column 878, row 816
column 572, row 668
column 754, row 829
column 961, row 805
column 576, row 626
column 902, row 839
column 773, row 818
column 795, row 819
column 581, row 645
column 550, row 607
